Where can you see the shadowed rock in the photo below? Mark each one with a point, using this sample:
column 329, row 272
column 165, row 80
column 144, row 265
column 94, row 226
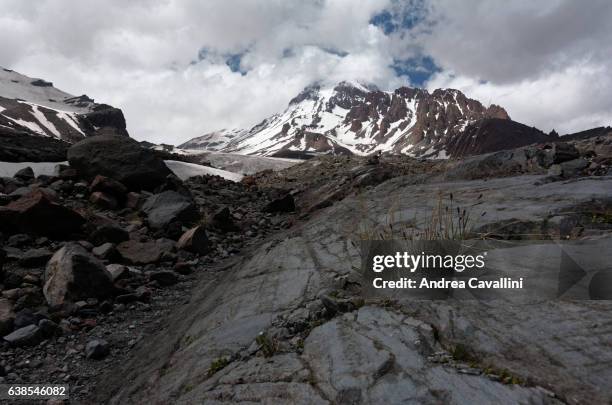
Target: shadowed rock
column 170, row 206
column 120, row 158
column 36, row 213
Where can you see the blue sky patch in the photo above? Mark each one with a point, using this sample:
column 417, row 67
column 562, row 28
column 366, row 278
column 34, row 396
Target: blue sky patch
column 418, row 69
column 233, row 61
column 401, row 16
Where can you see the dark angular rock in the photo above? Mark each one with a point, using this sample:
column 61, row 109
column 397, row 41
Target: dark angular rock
column 35, row 258
column 556, row 153
column 109, row 186
column 109, row 233
column 12, row 279
column 66, row 172
column 97, row 349
column 173, row 183
column 183, row 268
column 26, row 174
column 194, row 240
column 48, row 328
column 133, row 200
column 107, row 251
column 170, row 206
column 574, row 167
column 164, row 277
column 29, row 335
column 120, row 158
column 103, row 200
column 73, row 274
column 223, row 220
column 141, row 253
column 109, row 118
column 117, row 271
column 283, row 204
column 26, row 317
column 36, row 213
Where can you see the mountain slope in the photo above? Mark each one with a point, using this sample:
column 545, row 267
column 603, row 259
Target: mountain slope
column 352, row 118
column 213, row 141
column 34, row 107
column 493, row 134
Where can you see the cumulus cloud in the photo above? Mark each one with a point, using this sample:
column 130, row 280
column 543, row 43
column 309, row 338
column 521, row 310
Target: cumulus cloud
column 164, row 62
column 547, row 62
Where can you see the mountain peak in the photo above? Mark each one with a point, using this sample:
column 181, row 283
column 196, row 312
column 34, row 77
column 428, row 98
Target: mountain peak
column 356, row 84
column 352, row 117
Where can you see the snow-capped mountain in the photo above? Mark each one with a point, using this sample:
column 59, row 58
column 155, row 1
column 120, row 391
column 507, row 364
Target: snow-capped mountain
column 34, row 107
column 213, row 141
column 358, row 119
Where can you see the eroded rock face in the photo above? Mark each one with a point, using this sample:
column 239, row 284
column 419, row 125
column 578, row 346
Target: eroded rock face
column 381, row 356
column 283, row 341
column 73, row 274
column 120, row 158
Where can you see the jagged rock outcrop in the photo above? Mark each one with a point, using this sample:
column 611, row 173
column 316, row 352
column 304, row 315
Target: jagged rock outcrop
column 120, row 158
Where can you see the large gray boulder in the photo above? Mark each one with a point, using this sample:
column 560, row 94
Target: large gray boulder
column 170, row 206
column 73, row 274
column 120, row 158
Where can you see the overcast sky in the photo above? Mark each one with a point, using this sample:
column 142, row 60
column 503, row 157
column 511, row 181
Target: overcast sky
column 179, row 69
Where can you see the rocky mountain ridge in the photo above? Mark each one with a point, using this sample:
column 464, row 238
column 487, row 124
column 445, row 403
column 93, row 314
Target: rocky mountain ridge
column 35, row 107
column 352, row 118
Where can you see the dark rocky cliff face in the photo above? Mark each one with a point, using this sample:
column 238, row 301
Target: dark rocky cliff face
column 494, row 134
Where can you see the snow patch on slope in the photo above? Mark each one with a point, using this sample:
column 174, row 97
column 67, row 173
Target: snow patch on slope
column 185, row 170
column 8, row 169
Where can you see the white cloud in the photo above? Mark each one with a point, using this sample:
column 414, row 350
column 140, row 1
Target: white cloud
column 547, row 63
column 138, row 55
